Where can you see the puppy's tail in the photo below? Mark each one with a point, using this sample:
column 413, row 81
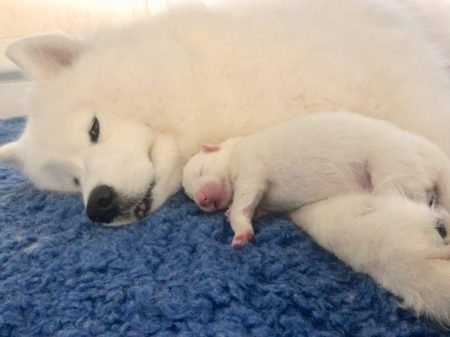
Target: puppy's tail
column 402, row 244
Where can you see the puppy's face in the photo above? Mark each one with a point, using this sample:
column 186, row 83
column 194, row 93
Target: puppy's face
column 206, row 179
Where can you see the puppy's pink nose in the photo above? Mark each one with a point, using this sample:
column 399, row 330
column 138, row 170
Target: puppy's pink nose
column 206, row 201
column 202, row 199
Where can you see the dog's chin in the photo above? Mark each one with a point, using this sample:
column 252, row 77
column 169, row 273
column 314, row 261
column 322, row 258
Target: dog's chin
column 142, row 209
column 121, row 221
column 136, row 212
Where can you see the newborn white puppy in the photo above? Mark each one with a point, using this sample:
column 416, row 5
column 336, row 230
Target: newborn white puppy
column 310, row 159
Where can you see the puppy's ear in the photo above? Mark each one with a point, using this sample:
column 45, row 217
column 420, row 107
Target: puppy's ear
column 9, row 154
column 42, row 57
column 210, row 148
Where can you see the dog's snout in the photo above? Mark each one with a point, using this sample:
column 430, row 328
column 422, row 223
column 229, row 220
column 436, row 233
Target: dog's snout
column 103, row 204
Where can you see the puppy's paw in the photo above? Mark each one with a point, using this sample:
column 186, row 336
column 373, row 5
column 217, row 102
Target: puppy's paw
column 241, row 239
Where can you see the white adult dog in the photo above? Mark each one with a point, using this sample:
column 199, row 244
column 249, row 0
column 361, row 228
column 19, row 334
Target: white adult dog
column 116, row 115
column 405, row 255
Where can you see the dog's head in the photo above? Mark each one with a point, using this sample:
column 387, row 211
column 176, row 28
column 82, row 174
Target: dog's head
column 86, row 134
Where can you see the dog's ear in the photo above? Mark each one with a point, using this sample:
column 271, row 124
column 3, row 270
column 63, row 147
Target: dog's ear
column 43, row 56
column 9, row 154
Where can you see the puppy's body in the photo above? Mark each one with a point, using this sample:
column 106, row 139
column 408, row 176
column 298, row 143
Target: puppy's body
column 344, row 179
column 313, row 158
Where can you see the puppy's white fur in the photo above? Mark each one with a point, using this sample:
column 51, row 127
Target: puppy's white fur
column 313, row 158
column 344, row 178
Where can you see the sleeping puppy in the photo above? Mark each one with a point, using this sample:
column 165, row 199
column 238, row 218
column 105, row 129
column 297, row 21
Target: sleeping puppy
column 310, row 159
column 359, row 187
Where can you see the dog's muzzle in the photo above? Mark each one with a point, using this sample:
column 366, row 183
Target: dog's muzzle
column 103, row 204
column 106, row 206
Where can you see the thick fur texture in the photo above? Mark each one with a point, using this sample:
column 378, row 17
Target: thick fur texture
column 392, row 239
column 313, row 158
column 345, row 180
column 115, row 116
column 162, row 88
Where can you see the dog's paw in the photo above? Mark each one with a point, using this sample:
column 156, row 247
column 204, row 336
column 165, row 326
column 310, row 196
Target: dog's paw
column 241, row 239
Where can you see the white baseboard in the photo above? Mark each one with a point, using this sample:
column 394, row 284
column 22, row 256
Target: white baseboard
column 12, row 94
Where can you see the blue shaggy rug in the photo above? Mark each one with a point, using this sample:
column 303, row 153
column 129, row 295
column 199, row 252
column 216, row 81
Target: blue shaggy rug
column 174, row 274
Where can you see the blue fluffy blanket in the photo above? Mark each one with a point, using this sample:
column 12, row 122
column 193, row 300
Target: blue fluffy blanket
column 174, row 274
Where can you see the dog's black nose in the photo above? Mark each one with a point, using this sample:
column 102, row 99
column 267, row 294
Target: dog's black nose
column 103, row 204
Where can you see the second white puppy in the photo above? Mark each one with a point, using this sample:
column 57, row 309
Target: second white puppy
column 310, row 159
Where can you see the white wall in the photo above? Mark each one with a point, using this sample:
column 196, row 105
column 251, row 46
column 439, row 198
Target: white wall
column 20, row 18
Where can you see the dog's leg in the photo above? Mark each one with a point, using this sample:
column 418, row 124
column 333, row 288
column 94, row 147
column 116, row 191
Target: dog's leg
column 394, row 240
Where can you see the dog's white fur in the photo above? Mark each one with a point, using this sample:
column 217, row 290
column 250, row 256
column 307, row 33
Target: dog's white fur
column 344, row 179
column 162, row 88
column 391, row 238
column 192, row 76
column 312, row 158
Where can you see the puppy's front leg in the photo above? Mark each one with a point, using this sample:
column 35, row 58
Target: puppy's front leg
column 247, row 195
